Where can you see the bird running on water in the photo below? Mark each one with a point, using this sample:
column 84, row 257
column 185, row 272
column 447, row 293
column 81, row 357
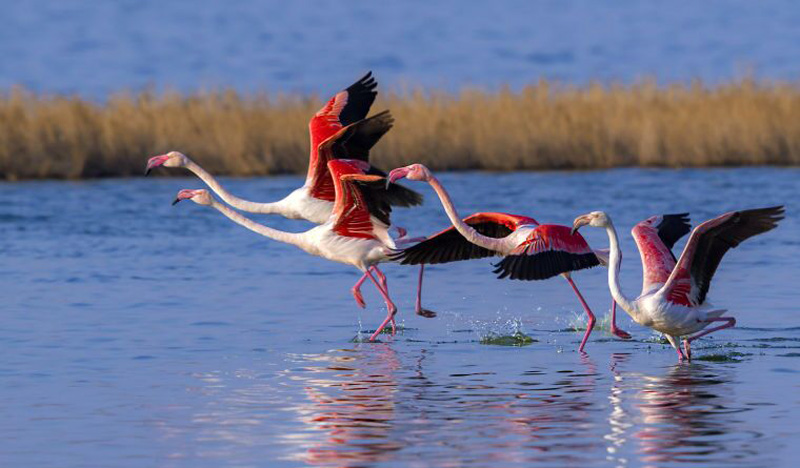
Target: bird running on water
column 531, row 251
column 673, row 298
column 355, row 234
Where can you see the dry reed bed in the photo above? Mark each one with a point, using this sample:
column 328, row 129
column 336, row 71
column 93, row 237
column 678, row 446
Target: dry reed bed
column 544, row 126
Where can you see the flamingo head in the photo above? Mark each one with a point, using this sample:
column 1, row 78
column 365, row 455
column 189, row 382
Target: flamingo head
column 199, row 196
column 411, row 172
column 171, row 159
column 595, row 219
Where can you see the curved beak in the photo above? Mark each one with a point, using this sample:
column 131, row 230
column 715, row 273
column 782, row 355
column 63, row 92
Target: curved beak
column 155, row 161
column 582, row 220
column 184, row 194
column 396, row 174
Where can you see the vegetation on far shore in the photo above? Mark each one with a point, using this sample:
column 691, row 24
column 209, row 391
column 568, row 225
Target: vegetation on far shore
column 543, row 126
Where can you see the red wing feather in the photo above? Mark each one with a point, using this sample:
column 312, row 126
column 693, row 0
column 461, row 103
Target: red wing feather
column 351, row 142
column 549, row 250
column 345, row 108
column 689, row 282
column 450, row 246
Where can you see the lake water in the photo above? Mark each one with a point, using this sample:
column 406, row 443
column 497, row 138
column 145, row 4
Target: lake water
column 94, row 48
column 137, row 334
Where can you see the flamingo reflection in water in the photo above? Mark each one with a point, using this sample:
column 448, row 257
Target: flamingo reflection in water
column 352, row 402
column 680, row 417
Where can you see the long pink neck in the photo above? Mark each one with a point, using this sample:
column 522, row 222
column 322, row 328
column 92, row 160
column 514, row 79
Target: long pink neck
column 614, row 263
column 297, row 239
column 465, row 229
column 229, row 198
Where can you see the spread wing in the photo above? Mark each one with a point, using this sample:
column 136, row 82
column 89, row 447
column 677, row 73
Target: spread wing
column 363, row 202
column 672, row 227
column 654, row 238
column 450, row 246
column 549, row 250
column 345, row 108
column 351, row 142
column 690, row 279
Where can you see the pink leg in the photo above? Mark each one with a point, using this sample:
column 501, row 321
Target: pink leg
column 389, row 304
column 674, row 342
column 385, row 286
column 419, row 310
column 356, row 290
column 590, row 324
column 614, row 330
column 381, row 278
column 729, row 322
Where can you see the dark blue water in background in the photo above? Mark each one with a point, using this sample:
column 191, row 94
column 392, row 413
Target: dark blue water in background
column 94, row 48
column 138, row 334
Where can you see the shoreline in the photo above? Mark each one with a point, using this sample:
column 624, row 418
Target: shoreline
column 544, row 126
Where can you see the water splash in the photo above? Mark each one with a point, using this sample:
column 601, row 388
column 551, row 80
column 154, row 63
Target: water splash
column 501, row 331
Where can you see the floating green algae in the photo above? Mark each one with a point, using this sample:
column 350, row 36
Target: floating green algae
column 515, row 339
column 733, row 356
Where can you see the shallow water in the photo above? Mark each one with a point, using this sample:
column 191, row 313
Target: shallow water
column 93, row 48
column 138, row 334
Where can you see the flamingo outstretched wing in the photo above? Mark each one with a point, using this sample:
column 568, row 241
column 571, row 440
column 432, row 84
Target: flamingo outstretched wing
column 450, row 246
column 345, row 108
column 690, row 279
column 351, row 142
column 655, row 238
column 363, row 202
column 549, row 250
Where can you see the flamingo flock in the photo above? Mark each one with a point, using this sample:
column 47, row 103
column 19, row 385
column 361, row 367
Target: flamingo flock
column 351, row 202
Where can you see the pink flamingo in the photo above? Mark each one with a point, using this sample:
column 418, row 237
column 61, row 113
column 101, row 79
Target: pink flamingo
column 314, row 200
column 355, row 234
column 351, row 142
column 532, row 251
column 673, row 298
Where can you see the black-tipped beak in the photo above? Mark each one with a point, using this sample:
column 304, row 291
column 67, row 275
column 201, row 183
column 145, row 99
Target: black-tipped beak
column 175, row 201
column 147, row 171
column 579, row 221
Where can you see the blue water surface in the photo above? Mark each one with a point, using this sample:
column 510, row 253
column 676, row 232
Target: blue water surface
column 138, row 334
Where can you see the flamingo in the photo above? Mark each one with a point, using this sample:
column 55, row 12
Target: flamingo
column 355, row 234
column 351, row 142
column 314, row 200
column 532, row 251
column 673, row 298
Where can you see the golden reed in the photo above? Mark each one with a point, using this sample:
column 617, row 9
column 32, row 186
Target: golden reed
column 543, row 126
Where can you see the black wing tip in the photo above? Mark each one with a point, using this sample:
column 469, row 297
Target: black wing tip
column 768, row 217
column 383, row 116
column 365, row 84
column 404, row 196
column 683, row 217
column 543, row 265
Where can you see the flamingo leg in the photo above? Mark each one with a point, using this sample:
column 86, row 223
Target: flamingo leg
column 592, row 320
column 729, row 322
column 356, row 290
column 419, row 310
column 619, row 333
column 381, row 278
column 389, row 304
column 385, row 286
column 675, row 344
